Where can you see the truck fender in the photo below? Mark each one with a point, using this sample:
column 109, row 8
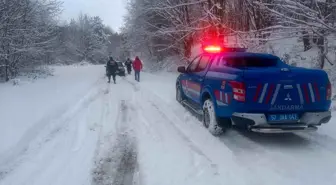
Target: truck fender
column 207, row 91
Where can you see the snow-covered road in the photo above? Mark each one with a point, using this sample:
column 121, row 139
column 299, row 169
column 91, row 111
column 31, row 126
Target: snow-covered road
column 75, row 129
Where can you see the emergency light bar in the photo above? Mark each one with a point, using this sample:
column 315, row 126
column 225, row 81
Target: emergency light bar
column 219, row 49
column 212, row 49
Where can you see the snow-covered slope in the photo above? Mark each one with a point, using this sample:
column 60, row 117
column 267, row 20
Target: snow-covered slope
column 46, row 127
column 31, row 105
column 74, row 128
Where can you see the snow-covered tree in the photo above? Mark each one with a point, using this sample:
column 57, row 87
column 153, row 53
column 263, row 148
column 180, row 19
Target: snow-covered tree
column 31, row 35
column 313, row 19
column 164, row 27
column 87, row 38
column 28, row 32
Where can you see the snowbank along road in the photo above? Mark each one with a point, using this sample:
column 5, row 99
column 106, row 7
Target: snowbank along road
column 75, row 129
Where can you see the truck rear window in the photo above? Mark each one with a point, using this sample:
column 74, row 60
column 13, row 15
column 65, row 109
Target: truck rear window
column 249, row 61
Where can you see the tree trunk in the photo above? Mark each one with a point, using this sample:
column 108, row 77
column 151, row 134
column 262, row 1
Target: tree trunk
column 306, row 41
column 6, row 73
column 187, row 47
column 321, row 46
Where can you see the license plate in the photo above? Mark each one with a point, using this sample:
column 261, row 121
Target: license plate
column 283, row 117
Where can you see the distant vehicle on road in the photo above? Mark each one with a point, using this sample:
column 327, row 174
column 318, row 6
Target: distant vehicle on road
column 121, row 69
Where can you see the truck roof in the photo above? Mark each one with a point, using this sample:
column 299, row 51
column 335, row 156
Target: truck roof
column 248, row 54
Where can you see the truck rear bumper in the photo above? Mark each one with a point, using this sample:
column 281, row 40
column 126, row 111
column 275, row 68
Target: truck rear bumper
column 284, row 129
column 257, row 122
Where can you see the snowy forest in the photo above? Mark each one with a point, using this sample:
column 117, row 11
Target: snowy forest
column 33, row 36
column 291, row 29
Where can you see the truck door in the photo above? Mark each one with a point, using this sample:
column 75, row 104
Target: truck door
column 196, row 78
column 186, row 78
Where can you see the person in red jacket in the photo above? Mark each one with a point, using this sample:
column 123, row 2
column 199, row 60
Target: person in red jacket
column 137, row 66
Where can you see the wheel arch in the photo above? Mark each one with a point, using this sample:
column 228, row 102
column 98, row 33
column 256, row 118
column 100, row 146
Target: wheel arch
column 207, row 93
column 177, row 83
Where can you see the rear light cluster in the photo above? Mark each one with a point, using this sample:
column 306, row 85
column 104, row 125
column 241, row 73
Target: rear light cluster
column 329, row 91
column 239, row 91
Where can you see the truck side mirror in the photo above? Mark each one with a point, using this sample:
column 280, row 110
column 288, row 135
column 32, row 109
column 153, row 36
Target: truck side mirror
column 181, row 69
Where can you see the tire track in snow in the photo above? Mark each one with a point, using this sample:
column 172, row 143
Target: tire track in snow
column 119, row 164
column 128, row 161
column 156, row 133
column 168, row 119
column 182, row 135
column 322, row 140
column 232, row 139
column 142, row 119
column 45, row 130
column 149, row 105
column 103, row 119
column 216, row 161
column 147, row 126
column 152, row 126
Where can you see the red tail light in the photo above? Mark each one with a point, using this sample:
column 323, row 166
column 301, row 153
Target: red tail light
column 329, row 91
column 239, row 92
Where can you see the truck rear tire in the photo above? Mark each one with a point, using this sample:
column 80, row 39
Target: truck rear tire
column 210, row 120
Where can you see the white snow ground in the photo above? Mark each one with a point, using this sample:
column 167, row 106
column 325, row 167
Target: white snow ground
column 75, row 129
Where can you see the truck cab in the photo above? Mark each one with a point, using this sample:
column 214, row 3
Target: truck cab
column 253, row 90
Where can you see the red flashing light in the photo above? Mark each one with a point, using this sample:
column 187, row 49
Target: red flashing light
column 329, row 91
column 212, row 49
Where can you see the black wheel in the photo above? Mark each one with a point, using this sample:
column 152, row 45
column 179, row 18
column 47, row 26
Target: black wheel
column 210, row 120
column 179, row 96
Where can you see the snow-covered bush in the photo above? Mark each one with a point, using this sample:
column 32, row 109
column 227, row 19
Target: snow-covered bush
column 83, row 63
column 38, row 72
column 15, row 81
column 169, row 64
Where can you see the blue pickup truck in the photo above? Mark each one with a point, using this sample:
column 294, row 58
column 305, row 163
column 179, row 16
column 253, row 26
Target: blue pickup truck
column 259, row 92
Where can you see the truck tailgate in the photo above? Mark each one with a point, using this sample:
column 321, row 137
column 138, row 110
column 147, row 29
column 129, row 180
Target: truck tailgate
column 276, row 89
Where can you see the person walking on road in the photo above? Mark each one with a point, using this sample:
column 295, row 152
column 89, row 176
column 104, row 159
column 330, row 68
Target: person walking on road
column 128, row 64
column 111, row 69
column 137, row 66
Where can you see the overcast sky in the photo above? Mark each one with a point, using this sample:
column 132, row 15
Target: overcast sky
column 111, row 11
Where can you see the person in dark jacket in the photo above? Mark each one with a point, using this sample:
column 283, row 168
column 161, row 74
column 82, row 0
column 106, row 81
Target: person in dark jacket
column 111, row 69
column 128, row 64
column 137, row 66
